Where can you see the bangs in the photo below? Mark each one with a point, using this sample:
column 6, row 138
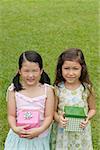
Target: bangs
column 73, row 59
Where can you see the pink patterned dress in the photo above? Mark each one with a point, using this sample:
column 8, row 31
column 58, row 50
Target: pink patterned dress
column 13, row 141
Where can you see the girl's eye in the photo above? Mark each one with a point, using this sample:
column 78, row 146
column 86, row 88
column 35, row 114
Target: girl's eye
column 75, row 68
column 34, row 70
column 26, row 70
column 66, row 68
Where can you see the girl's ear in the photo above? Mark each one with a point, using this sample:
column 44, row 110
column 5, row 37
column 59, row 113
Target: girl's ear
column 19, row 72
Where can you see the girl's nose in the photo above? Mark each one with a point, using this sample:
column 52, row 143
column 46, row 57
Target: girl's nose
column 71, row 72
column 31, row 74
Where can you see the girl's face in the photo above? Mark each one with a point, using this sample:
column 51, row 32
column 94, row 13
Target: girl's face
column 30, row 73
column 71, row 71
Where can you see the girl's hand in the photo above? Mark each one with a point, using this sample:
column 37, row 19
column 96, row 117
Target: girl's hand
column 62, row 121
column 31, row 133
column 84, row 123
column 20, row 129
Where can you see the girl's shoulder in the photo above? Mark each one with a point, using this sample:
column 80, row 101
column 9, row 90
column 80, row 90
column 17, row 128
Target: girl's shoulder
column 49, row 87
column 87, row 87
column 58, row 88
column 60, row 85
column 10, row 91
column 11, row 87
column 88, row 90
column 49, row 90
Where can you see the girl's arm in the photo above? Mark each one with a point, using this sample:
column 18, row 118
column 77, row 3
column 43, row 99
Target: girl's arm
column 91, row 108
column 91, row 105
column 49, row 109
column 11, row 110
column 56, row 116
column 59, row 118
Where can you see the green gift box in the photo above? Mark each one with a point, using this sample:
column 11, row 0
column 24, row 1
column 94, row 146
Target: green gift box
column 74, row 112
column 75, row 115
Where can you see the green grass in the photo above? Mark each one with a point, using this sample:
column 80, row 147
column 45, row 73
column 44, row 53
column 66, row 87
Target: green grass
column 48, row 27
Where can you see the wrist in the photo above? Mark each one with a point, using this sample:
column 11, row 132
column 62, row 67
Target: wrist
column 58, row 119
column 87, row 118
column 14, row 128
column 40, row 129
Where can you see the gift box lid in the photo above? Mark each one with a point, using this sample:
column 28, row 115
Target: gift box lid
column 74, row 112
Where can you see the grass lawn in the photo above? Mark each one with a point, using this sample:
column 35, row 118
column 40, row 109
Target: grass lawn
column 48, row 26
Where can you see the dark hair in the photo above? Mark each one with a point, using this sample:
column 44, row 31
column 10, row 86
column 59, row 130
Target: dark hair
column 72, row 54
column 31, row 56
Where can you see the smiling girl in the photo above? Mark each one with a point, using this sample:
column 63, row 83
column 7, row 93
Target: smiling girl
column 30, row 105
column 72, row 88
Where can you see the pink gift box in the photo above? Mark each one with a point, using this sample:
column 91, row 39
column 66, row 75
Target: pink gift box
column 28, row 117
